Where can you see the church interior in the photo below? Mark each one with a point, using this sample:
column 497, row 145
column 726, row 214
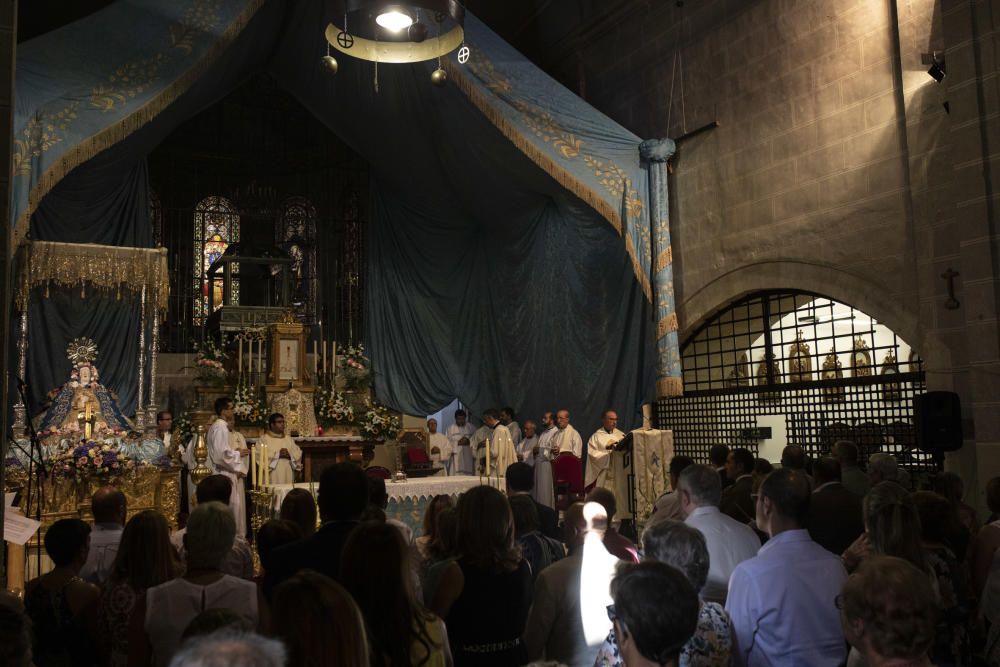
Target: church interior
column 692, row 226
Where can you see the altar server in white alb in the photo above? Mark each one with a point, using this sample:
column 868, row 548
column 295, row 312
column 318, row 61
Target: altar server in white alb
column 566, row 438
column 439, row 446
column 544, row 491
column 599, row 449
column 284, row 456
column 526, row 448
column 502, row 453
column 459, row 436
column 224, row 459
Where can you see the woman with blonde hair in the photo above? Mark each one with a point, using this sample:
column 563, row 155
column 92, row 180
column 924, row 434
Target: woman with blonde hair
column 375, row 568
column 484, row 596
column 145, row 559
column 319, row 622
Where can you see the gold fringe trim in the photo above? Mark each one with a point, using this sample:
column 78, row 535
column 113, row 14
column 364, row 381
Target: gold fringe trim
column 562, row 175
column 666, row 325
column 109, row 269
column 669, row 387
column 664, row 259
column 125, row 127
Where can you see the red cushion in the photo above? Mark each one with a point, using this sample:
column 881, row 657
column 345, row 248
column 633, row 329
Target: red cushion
column 567, row 470
column 417, row 455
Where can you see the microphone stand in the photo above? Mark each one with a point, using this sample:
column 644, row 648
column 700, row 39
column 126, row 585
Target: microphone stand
column 35, row 451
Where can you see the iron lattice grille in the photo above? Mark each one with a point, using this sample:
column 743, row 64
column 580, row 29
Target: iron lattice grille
column 772, row 359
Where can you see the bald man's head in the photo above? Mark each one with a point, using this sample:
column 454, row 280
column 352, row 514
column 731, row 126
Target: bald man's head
column 108, row 505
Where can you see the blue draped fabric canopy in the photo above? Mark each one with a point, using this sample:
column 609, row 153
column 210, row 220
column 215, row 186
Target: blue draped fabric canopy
column 518, row 254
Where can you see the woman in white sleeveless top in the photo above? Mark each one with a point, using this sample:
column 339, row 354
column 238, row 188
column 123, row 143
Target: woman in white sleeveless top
column 169, row 607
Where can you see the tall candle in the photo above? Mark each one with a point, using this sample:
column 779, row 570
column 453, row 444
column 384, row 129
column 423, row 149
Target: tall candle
column 325, row 367
column 335, row 358
column 315, row 359
column 260, row 356
column 265, row 464
column 239, row 356
column 253, row 465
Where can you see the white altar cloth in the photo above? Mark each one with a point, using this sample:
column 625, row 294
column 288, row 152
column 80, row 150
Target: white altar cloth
column 411, row 489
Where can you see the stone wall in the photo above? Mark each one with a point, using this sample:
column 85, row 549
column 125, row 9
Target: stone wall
column 835, row 168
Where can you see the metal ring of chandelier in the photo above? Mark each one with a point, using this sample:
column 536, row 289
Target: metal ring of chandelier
column 341, row 39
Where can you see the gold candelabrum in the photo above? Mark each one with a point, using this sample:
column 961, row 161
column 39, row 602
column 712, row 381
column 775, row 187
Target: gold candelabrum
column 200, row 471
column 261, row 511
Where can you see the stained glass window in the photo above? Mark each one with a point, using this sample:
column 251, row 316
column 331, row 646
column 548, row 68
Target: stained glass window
column 296, row 234
column 216, row 225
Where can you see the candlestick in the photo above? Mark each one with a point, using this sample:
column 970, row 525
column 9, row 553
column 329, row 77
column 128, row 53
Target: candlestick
column 325, row 367
column 265, row 464
column 488, row 466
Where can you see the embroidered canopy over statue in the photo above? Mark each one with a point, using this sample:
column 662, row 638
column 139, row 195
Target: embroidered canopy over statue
column 519, row 241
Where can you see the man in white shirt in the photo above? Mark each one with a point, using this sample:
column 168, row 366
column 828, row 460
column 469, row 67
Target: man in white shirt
column 783, row 601
column 284, row 456
column 526, row 448
column 507, row 419
column 729, row 541
column 109, row 507
column 459, row 435
column 439, row 445
column 566, row 438
column 599, row 449
column 223, row 459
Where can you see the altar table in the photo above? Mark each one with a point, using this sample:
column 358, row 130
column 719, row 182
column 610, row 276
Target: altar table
column 407, row 500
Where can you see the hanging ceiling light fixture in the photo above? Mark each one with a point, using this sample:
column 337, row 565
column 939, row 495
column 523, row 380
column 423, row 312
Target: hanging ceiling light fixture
column 389, row 31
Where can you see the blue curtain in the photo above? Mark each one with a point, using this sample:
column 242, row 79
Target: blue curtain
column 510, row 259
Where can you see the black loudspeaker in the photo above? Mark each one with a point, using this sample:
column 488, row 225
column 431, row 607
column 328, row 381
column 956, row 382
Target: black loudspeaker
column 938, row 416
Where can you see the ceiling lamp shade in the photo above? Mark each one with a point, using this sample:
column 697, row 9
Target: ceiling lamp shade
column 384, row 31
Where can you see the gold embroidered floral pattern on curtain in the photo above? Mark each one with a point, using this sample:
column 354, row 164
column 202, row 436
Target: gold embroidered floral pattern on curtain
column 109, row 269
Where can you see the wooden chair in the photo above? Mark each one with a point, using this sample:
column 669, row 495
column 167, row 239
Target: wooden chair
column 567, row 479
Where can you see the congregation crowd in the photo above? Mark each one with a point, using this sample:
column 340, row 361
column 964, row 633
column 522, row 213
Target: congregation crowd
column 808, row 563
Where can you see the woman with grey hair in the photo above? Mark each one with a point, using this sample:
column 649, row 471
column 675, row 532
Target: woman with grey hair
column 168, row 608
column 683, row 547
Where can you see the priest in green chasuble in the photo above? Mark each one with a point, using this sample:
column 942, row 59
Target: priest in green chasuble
column 284, row 455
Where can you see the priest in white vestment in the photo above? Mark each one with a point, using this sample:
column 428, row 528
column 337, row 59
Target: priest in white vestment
column 459, row 437
column 502, row 452
column 507, row 419
column 284, row 456
column 440, row 447
column 566, row 438
column 526, row 448
column 224, row 459
column 544, row 492
column 599, row 449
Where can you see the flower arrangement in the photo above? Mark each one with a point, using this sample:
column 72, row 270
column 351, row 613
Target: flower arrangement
column 357, row 367
column 92, row 459
column 378, row 423
column 248, row 408
column 332, row 408
column 209, row 362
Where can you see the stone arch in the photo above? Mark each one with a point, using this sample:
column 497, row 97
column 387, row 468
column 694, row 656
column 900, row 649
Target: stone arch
column 698, row 307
